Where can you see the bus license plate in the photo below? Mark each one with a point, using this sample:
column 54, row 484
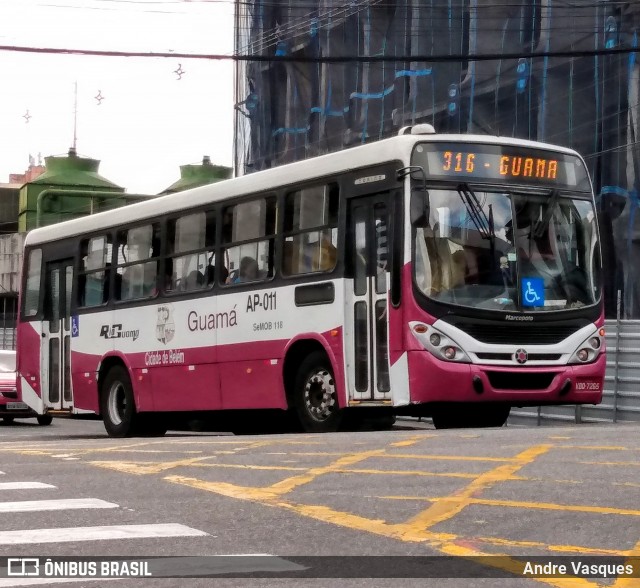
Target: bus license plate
column 588, row 386
column 16, row 406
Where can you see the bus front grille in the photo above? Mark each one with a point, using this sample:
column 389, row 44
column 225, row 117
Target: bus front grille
column 518, row 335
column 509, row 356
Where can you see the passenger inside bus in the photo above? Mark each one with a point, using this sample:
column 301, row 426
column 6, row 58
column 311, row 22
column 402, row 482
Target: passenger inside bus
column 325, row 255
column 194, row 281
column 248, row 271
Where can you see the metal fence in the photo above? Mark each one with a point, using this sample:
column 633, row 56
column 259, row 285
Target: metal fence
column 621, row 397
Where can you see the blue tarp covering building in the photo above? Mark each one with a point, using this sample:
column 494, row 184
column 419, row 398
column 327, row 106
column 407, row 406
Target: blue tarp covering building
column 584, row 98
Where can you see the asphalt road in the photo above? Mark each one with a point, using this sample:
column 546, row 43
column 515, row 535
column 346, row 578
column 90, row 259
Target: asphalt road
column 69, row 490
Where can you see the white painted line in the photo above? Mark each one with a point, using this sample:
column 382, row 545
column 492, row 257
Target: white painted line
column 23, row 485
column 62, row 504
column 70, row 534
column 1, row 473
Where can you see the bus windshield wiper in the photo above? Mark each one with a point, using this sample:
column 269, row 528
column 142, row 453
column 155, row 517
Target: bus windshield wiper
column 476, row 212
column 541, row 225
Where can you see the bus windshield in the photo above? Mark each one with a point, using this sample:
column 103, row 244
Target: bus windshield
column 508, row 251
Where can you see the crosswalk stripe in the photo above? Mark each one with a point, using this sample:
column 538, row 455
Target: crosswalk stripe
column 60, row 504
column 24, row 485
column 28, row 536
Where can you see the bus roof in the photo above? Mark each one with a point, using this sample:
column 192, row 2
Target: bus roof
column 393, row 148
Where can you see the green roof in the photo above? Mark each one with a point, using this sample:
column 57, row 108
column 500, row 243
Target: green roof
column 193, row 176
column 73, row 171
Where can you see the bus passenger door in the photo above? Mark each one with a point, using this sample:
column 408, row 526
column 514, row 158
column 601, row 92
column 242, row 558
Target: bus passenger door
column 366, row 328
column 56, row 336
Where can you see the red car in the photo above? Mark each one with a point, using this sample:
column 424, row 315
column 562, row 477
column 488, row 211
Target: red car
column 10, row 405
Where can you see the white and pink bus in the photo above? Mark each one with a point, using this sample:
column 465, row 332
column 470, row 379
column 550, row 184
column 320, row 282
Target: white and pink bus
column 450, row 276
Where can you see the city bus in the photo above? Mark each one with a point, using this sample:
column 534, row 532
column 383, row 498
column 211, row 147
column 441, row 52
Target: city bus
column 449, row 276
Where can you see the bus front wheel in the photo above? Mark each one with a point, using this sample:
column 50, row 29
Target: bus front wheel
column 316, row 399
column 117, row 404
column 44, row 420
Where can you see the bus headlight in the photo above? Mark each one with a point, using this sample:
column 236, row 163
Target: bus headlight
column 589, row 349
column 450, row 352
column 437, row 343
column 583, row 354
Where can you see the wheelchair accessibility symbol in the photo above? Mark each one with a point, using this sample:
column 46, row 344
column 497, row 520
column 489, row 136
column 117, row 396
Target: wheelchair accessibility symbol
column 532, row 290
column 75, row 326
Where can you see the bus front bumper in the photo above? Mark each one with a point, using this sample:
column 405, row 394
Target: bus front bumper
column 434, row 380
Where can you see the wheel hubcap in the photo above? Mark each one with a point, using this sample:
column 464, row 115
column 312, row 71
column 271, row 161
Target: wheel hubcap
column 117, row 403
column 320, row 395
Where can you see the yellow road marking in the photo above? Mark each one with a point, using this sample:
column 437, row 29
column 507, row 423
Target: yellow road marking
column 416, row 529
column 320, row 513
column 557, row 548
column 285, row 486
column 444, row 542
column 409, row 456
column 145, row 468
column 409, row 473
column 250, row 467
column 521, row 504
column 411, row 441
column 341, row 470
column 447, row 508
column 432, row 457
column 551, row 506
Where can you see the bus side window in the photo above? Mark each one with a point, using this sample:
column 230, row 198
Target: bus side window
column 248, row 236
column 138, row 261
column 190, row 239
column 32, row 290
column 93, row 278
column 311, row 235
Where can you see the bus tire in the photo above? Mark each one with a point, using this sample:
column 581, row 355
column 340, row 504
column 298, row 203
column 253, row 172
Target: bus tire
column 117, row 405
column 315, row 395
column 44, row 420
column 470, row 416
column 8, row 420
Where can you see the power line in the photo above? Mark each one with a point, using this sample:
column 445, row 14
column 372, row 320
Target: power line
column 329, row 58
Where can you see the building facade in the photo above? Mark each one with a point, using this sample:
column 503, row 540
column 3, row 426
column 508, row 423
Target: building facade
column 547, row 70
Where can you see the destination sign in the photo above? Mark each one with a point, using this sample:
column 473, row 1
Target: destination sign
column 500, row 164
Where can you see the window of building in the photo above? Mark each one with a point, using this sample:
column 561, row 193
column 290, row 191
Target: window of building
column 311, row 233
column 248, row 237
column 94, row 274
column 138, row 262
column 32, row 290
column 190, row 260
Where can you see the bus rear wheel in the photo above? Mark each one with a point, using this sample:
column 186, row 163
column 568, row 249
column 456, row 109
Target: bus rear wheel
column 117, row 404
column 315, row 395
column 470, row 416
